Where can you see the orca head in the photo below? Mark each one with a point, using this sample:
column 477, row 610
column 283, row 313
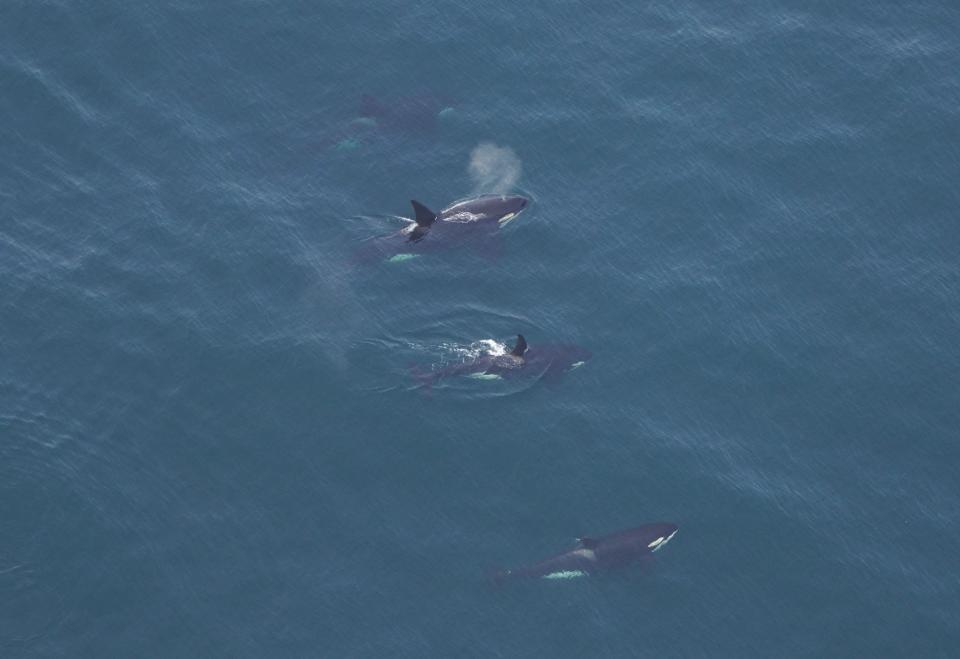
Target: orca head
column 566, row 357
column 515, row 203
column 556, row 358
column 577, row 356
column 510, row 207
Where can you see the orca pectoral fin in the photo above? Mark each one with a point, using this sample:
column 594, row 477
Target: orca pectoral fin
column 646, row 563
column 424, row 378
column 552, row 376
column 491, row 248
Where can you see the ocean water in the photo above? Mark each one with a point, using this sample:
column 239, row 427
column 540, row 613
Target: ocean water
column 211, row 444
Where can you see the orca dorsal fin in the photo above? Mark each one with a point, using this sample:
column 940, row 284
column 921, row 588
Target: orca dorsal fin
column 423, row 215
column 520, row 348
column 587, row 543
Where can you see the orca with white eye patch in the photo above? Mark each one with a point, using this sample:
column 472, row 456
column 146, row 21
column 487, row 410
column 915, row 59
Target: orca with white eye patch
column 591, row 555
column 472, row 221
column 547, row 360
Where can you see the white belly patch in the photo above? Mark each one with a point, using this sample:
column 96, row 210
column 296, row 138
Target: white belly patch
column 566, row 574
column 484, row 376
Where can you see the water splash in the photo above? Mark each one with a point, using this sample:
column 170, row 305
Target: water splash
column 490, row 347
column 494, row 169
column 458, row 353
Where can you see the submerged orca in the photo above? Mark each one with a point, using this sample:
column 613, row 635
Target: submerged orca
column 594, row 554
column 547, row 360
column 419, row 113
column 473, row 219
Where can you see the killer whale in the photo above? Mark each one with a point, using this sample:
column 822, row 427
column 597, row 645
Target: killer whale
column 547, row 360
column 418, row 115
column 472, row 220
column 592, row 555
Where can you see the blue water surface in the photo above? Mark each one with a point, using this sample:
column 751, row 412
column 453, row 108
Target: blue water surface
column 211, row 444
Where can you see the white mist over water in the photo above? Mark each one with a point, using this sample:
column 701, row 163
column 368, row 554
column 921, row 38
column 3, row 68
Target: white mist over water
column 494, row 169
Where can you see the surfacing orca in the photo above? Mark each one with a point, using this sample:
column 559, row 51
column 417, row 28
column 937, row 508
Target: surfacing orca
column 474, row 219
column 546, row 360
column 595, row 554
